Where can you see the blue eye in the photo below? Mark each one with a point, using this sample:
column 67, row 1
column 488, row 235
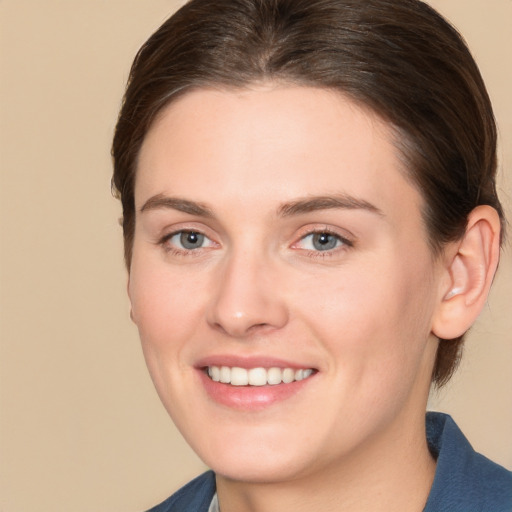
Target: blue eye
column 188, row 240
column 322, row 241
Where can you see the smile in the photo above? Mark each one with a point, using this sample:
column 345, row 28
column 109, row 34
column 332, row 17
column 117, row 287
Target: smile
column 236, row 376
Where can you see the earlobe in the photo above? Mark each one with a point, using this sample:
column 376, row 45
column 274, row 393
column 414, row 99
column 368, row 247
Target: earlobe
column 470, row 269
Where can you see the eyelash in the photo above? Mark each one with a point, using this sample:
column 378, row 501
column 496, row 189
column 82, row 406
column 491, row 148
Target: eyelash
column 176, row 251
column 345, row 243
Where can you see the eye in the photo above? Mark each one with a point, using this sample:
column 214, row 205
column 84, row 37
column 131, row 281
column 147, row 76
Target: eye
column 322, row 241
column 187, row 240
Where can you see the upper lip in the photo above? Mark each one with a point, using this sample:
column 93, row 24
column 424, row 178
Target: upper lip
column 248, row 362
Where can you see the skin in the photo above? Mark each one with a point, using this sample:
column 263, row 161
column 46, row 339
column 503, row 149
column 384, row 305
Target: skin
column 361, row 314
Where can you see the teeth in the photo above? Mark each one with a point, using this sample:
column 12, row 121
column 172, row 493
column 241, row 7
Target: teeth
column 288, row 375
column 214, row 373
column 239, row 377
column 225, row 375
column 257, row 376
column 274, row 376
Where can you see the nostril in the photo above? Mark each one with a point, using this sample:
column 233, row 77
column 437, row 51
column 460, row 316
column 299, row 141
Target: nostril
column 242, row 329
column 245, row 302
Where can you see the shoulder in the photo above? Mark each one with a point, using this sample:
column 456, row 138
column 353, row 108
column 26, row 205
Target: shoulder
column 464, row 480
column 194, row 497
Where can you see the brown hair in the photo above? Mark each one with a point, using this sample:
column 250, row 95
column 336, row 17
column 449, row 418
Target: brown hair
column 398, row 57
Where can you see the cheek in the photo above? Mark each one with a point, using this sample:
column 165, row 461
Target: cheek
column 166, row 310
column 167, row 313
column 158, row 297
column 374, row 320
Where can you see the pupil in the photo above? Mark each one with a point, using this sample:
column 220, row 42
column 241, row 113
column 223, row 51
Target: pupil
column 324, row 241
column 191, row 240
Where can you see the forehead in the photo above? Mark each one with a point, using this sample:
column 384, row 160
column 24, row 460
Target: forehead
column 271, row 144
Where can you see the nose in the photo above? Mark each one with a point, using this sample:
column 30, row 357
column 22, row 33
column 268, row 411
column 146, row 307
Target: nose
column 248, row 297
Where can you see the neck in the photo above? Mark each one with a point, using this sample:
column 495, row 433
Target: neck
column 394, row 472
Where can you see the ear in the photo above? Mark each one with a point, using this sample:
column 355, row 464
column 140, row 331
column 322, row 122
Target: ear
column 132, row 316
column 469, row 268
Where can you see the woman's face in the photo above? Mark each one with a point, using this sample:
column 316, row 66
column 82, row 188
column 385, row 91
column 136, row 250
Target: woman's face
column 277, row 238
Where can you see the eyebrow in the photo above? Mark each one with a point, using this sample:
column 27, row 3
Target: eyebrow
column 298, row 207
column 160, row 201
column 337, row 201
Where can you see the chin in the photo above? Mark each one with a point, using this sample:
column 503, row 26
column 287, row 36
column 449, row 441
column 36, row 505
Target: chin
column 252, row 456
column 258, row 470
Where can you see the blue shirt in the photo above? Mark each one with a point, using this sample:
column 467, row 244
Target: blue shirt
column 465, row 481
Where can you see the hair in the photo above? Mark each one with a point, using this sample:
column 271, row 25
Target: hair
column 399, row 58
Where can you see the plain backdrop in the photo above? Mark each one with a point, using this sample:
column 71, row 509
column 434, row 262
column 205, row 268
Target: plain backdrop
column 81, row 427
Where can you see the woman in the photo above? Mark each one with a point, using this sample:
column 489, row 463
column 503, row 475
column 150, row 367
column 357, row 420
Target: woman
column 311, row 225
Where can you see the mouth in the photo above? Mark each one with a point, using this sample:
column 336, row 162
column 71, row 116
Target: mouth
column 254, row 383
column 260, row 376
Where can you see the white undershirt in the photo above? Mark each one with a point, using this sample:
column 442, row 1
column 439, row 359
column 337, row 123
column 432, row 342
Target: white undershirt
column 214, row 505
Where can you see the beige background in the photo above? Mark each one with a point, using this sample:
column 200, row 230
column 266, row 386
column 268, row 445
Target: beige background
column 82, row 429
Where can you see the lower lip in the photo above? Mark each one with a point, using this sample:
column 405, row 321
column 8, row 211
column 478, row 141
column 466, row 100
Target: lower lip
column 251, row 398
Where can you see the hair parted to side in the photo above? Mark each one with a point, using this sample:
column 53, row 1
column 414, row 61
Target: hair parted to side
column 398, row 57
